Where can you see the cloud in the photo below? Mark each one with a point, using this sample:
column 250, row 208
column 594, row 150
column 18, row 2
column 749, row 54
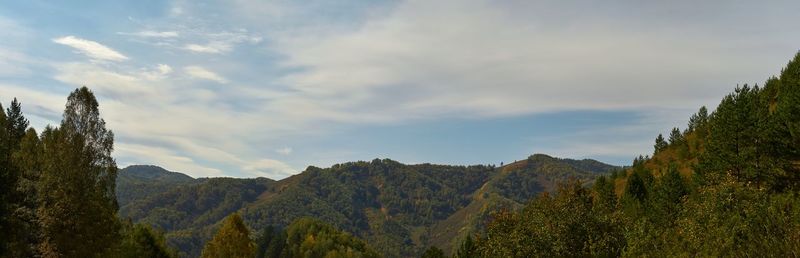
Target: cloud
column 270, row 168
column 152, row 34
column 222, row 42
column 428, row 59
column 164, row 69
column 181, row 136
column 144, row 154
column 93, row 50
column 210, row 48
column 312, row 70
column 284, row 151
column 110, row 83
column 203, row 73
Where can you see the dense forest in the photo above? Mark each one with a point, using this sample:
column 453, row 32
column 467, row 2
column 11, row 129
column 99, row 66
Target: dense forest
column 401, row 208
column 726, row 185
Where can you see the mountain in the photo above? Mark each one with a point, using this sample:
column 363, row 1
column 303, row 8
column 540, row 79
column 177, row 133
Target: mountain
column 139, row 182
column 401, row 208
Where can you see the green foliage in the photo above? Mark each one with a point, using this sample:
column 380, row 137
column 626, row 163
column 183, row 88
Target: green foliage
column 308, row 237
column 539, row 173
column 468, row 249
column 433, row 252
column 13, row 217
column 660, row 145
column 675, row 136
column 605, row 198
column 231, row 241
column 138, row 182
column 271, row 243
column 735, row 220
column 76, row 202
column 7, row 185
column 563, row 225
column 142, row 241
column 742, row 200
column 28, row 160
column 635, row 187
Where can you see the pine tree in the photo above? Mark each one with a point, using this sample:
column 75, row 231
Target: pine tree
column 231, row 241
column 732, row 144
column 142, row 241
column 16, row 124
column 660, row 145
column 675, row 136
column 698, row 120
column 605, row 200
column 28, row 160
column 270, row 243
column 635, row 187
column 667, row 194
column 784, row 135
column 433, row 252
column 6, row 186
column 77, row 211
column 13, row 129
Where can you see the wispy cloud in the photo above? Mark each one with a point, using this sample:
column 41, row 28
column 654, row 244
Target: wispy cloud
column 223, row 42
column 91, row 49
column 284, row 151
column 296, row 73
column 211, row 48
column 270, row 168
column 152, row 34
column 203, row 73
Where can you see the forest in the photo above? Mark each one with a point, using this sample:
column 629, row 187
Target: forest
column 726, row 185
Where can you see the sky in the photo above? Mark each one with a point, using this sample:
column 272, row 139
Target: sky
column 266, row 88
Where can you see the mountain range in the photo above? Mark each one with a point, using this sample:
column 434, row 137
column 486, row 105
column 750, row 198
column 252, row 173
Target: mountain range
column 403, row 209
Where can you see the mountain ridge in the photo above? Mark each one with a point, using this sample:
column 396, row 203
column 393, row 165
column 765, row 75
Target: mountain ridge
column 399, row 206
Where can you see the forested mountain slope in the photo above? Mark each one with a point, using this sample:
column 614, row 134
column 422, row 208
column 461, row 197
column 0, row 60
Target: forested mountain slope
column 141, row 181
column 401, row 208
column 726, row 186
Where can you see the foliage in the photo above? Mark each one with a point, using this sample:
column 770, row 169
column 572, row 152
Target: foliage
column 271, row 243
column 433, row 252
column 308, row 237
column 388, row 204
column 77, row 212
column 231, row 241
column 725, row 187
column 563, row 225
column 142, row 241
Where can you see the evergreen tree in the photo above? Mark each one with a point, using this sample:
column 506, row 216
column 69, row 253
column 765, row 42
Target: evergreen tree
column 660, row 145
column 76, row 202
column 433, row 252
column 6, row 186
column 28, row 160
column 231, row 241
column 635, row 187
column 16, row 124
column 141, row 241
column 675, row 136
column 698, row 120
column 732, row 143
column 784, row 133
column 605, row 200
column 667, row 195
column 270, row 243
column 13, row 125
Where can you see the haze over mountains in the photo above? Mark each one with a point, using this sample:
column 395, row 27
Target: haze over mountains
column 401, row 208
